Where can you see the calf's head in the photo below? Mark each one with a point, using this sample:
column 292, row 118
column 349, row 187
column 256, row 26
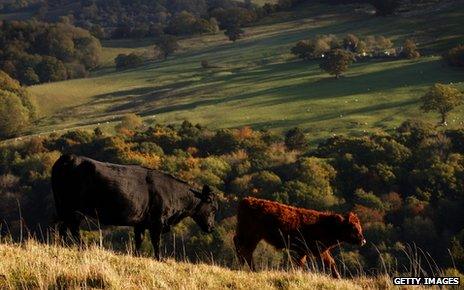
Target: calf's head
column 351, row 230
column 205, row 213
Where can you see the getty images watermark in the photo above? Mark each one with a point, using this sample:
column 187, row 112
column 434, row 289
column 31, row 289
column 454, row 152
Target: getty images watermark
column 426, row 281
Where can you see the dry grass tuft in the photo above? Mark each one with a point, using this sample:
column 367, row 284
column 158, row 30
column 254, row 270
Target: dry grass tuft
column 37, row 266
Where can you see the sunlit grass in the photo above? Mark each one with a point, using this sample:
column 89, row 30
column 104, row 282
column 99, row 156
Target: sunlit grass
column 37, row 266
column 259, row 83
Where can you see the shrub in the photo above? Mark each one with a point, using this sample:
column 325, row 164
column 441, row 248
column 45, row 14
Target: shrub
column 129, row 122
column 295, row 139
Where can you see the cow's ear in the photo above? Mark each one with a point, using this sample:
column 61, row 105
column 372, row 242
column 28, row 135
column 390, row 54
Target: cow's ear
column 206, row 193
column 351, row 218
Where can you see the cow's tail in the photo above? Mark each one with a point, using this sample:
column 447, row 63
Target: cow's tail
column 60, row 170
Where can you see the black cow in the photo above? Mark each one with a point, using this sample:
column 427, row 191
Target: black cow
column 126, row 195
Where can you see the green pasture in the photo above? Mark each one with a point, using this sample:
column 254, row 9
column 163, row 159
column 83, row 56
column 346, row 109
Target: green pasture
column 257, row 82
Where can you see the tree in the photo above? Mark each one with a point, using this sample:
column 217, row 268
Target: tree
column 10, row 85
column 232, row 21
column 13, row 115
column 351, row 42
column 51, row 69
column 167, row 44
column 303, row 49
column 455, row 56
column 442, row 99
column 336, row 62
column 30, row 77
column 182, row 24
column 234, row 32
column 385, row 7
column 295, row 139
column 410, row 49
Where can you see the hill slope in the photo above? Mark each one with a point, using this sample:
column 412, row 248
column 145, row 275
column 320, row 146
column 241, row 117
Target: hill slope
column 39, row 266
column 259, row 83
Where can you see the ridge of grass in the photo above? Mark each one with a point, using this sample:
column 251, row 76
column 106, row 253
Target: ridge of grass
column 37, row 266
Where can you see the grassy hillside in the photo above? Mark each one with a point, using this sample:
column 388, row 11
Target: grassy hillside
column 35, row 266
column 259, row 83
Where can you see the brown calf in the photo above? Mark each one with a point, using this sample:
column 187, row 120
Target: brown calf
column 303, row 231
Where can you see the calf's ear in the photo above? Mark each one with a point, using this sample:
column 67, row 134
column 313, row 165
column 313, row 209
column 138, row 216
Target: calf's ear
column 351, row 217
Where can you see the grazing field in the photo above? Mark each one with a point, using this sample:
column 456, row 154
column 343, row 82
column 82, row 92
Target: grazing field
column 258, row 82
column 35, row 266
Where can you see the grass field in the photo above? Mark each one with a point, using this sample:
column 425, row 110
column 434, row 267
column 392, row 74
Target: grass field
column 35, row 266
column 259, row 83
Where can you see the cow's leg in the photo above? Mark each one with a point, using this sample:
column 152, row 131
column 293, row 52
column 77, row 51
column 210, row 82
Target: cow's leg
column 75, row 234
column 245, row 248
column 155, row 235
column 62, row 232
column 299, row 259
column 329, row 262
column 139, row 232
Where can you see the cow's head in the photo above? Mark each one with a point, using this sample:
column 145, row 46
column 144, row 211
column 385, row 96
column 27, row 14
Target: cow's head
column 352, row 230
column 206, row 210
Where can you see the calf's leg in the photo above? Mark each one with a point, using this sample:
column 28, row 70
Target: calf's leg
column 299, row 259
column 71, row 223
column 75, row 233
column 62, row 231
column 329, row 262
column 245, row 248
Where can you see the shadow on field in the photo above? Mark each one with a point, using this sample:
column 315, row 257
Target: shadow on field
column 286, row 123
column 276, row 85
column 413, row 74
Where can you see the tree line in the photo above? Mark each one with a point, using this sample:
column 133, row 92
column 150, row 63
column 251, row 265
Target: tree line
column 406, row 185
column 149, row 18
column 337, row 53
column 36, row 52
